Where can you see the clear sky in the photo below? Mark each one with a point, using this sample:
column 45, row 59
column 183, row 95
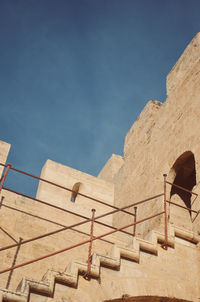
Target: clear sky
column 75, row 74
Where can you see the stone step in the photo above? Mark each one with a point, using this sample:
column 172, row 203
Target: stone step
column 112, row 260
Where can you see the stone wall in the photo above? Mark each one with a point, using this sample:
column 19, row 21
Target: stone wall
column 87, row 184
column 157, row 139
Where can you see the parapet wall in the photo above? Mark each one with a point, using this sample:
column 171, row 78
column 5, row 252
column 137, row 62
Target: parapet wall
column 140, row 132
column 87, row 184
column 111, row 168
column 188, row 59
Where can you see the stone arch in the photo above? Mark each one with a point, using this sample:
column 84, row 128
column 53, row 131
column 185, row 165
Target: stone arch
column 182, row 173
column 75, row 191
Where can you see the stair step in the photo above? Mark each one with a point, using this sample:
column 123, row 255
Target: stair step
column 112, row 260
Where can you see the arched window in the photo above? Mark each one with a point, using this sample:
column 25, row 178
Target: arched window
column 75, row 190
column 185, row 176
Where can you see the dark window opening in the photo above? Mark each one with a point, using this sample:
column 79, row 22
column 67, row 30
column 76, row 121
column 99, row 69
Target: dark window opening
column 75, row 190
column 184, row 168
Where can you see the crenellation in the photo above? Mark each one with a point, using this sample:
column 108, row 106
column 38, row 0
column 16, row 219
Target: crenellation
column 111, row 168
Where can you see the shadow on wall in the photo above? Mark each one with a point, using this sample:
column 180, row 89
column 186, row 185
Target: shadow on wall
column 183, row 173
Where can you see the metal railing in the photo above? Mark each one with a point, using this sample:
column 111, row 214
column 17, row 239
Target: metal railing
column 91, row 219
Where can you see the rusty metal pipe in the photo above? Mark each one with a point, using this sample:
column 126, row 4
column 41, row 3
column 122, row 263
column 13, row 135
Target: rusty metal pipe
column 165, row 245
column 3, row 230
column 178, row 205
column 195, row 216
column 78, row 244
column 83, row 195
column 174, row 185
column 50, row 221
column 13, row 263
column 74, row 225
column 58, row 231
column 86, row 276
column 131, row 205
column 135, row 219
column 44, row 202
column 65, row 188
column 81, row 216
column 65, row 228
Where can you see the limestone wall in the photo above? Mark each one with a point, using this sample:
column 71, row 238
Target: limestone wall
column 111, row 168
column 25, row 218
column 159, row 276
column 157, row 139
column 184, row 65
column 88, row 185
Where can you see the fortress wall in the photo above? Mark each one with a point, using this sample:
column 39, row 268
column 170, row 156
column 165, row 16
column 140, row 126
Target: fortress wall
column 89, row 185
column 26, row 218
column 160, row 135
column 156, row 140
column 165, row 275
column 185, row 63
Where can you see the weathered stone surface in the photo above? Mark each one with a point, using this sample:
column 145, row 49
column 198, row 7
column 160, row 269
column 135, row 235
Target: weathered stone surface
column 111, row 168
column 184, row 65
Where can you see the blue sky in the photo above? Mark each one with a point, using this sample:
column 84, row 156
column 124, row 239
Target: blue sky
column 75, row 74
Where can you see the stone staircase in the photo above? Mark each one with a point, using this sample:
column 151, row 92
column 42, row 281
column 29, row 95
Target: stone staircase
column 112, row 260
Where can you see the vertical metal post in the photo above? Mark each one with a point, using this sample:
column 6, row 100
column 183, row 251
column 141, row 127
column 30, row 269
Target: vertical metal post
column 14, row 262
column 86, row 276
column 165, row 245
column 4, row 176
column 135, row 219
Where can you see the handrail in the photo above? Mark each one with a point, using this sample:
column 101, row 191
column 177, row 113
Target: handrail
column 11, row 237
column 178, row 205
column 87, row 219
column 184, row 189
column 48, row 220
column 81, row 216
column 64, row 188
column 79, row 244
column 76, row 224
